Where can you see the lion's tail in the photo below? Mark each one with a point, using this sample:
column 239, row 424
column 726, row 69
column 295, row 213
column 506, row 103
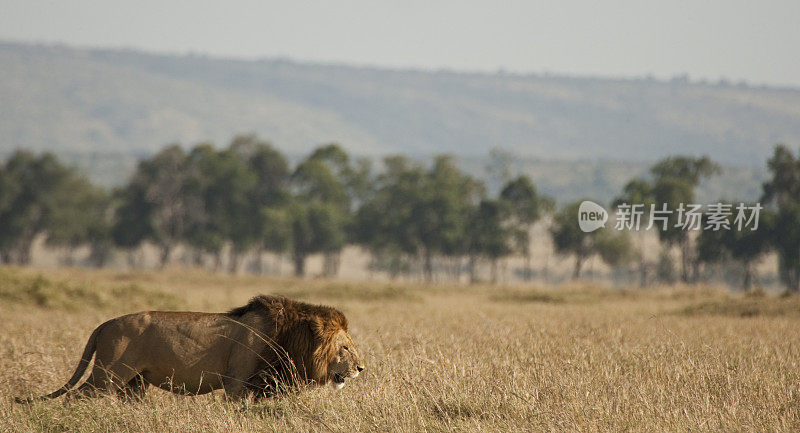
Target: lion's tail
column 88, row 352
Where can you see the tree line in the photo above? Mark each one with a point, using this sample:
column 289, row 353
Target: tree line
column 247, row 199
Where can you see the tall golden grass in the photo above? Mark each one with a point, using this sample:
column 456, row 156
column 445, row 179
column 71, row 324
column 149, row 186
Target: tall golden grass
column 443, row 358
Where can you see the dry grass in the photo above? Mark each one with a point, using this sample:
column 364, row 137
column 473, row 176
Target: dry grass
column 438, row 359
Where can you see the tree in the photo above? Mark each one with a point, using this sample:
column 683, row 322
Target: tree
column 526, row 208
column 316, row 228
column 786, row 239
column 783, row 188
column 568, row 238
column 674, row 181
column 155, row 205
column 489, row 234
column 745, row 246
column 638, row 192
column 614, row 249
column 384, row 222
column 39, row 194
column 205, row 231
column 80, row 216
column 322, row 207
column 269, row 197
column 782, row 192
column 131, row 218
column 439, row 216
column 276, row 230
column 418, row 212
column 234, row 183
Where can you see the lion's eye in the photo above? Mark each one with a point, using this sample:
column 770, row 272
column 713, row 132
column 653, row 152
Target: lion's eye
column 346, row 348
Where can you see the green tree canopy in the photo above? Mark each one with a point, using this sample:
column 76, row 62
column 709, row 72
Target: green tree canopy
column 38, row 194
column 156, row 203
column 321, row 208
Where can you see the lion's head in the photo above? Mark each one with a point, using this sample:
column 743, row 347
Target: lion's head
column 345, row 362
column 336, row 358
column 314, row 338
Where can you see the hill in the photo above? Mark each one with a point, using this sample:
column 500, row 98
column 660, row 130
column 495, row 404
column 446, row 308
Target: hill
column 105, row 108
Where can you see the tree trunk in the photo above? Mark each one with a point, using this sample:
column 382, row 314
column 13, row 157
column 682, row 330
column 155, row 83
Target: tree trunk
column 259, row 261
column 166, row 250
column 473, row 269
column 428, row 267
column 69, row 256
column 642, row 273
column 797, row 281
column 494, row 270
column 217, row 260
column 332, row 261
column 24, row 257
column 233, row 266
column 197, row 257
column 546, row 269
column 528, row 271
column 131, row 259
column 642, row 262
column 326, row 265
column 395, row 268
column 576, row 272
column 99, row 254
column 684, row 260
column 337, row 262
column 299, row 265
column 747, row 284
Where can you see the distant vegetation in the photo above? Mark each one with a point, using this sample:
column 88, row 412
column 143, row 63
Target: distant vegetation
column 413, row 217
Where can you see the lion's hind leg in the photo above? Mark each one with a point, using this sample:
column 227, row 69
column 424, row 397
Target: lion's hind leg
column 114, row 379
column 133, row 390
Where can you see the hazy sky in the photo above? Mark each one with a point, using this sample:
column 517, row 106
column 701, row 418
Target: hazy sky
column 758, row 41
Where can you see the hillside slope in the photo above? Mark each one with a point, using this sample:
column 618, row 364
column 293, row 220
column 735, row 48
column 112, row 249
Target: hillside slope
column 77, row 101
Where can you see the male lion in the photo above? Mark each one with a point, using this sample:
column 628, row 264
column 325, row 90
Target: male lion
column 262, row 348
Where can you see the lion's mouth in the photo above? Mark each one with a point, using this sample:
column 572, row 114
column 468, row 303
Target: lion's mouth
column 338, row 378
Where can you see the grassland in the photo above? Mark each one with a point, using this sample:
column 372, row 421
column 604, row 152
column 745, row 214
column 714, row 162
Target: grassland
column 443, row 358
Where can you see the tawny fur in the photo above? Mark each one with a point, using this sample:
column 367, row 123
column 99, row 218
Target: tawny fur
column 264, row 347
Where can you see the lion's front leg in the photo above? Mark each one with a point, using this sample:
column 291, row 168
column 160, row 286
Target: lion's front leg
column 242, row 365
column 234, row 389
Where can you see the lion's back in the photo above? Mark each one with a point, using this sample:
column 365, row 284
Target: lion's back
column 163, row 342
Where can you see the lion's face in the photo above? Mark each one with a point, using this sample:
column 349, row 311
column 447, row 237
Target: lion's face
column 346, row 363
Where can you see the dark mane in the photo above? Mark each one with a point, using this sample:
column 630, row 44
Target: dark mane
column 272, row 304
column 254, row 304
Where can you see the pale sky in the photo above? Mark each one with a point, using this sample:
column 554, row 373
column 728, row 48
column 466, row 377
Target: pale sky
column 758, row 41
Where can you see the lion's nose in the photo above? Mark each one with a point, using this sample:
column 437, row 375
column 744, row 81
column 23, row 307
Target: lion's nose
column 360, row 368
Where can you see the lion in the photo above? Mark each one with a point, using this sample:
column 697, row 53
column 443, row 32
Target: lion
column 263, row 348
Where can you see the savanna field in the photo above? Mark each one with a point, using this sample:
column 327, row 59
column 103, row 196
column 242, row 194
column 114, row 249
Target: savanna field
column 438, row 358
